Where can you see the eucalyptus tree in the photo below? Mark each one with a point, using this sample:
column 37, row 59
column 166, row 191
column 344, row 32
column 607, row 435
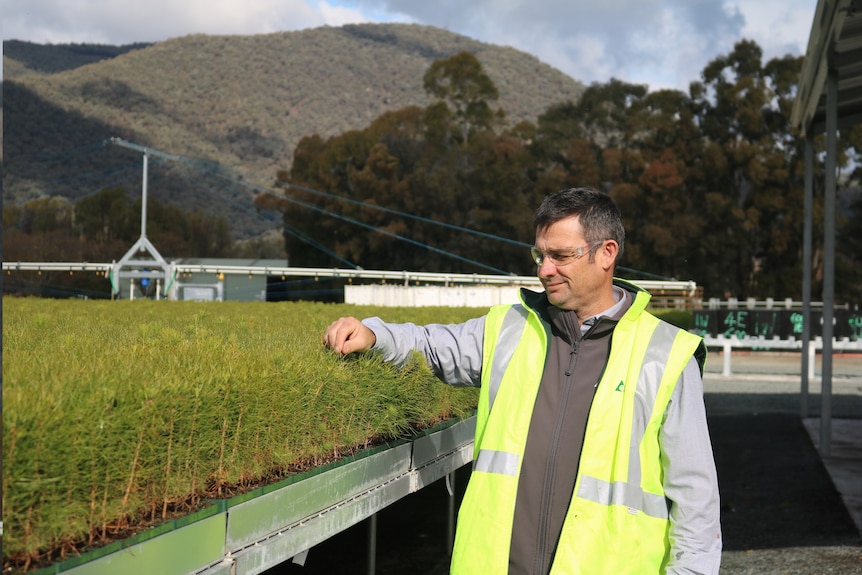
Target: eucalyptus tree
column 749, row 185
column 849, row 265
column 462, row 85
column 435, row 164
column 650, row 183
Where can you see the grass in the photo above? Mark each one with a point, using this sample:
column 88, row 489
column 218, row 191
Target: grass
column 122, row 413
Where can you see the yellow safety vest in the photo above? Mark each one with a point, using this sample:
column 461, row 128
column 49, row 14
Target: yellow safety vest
column 617, row 522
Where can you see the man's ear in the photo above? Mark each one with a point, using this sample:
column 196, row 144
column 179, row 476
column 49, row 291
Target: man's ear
column 607, row 254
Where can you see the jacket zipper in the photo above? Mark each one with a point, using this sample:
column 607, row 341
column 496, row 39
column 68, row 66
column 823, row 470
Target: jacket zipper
column 548, row 488
column 571, row 369
column 544, row 519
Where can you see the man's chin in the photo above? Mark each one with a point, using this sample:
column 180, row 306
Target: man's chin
column 555, row 297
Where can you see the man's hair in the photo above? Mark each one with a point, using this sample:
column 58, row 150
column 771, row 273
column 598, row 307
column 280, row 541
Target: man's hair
column 597, row 212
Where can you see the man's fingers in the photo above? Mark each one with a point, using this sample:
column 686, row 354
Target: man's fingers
column 348, row 335
column 339, row 333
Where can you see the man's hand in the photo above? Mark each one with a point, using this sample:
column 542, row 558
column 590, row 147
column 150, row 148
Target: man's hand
column 348, row 335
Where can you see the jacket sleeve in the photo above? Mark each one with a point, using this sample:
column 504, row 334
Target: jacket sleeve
column 691, row 481
column 453, row 351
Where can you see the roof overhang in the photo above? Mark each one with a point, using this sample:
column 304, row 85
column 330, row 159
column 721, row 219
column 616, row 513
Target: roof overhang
column 835, row 43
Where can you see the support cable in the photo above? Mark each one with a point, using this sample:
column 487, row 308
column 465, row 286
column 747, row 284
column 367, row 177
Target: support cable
column 314, row 243
column 381, row 231
column 124, row 172
column 214, row 169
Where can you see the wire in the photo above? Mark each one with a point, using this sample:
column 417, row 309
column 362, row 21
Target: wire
column 314, row 243
column 122, row 171
column 244, row 174
column 186, row 174
column 213, row 169
column 404, row 214
column 378, row 230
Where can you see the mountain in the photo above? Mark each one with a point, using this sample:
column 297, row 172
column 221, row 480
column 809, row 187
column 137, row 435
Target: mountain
column 26, row 57
column 242, row 102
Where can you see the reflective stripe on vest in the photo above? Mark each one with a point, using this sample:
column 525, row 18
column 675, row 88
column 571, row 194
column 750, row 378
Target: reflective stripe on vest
column 629, row 493
column 625, row 494
column 510, row 334
column 496, row 462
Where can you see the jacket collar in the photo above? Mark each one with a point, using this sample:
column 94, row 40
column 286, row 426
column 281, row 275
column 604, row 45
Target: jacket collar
column 565, row 323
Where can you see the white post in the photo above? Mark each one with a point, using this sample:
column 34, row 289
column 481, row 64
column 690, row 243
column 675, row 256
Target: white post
column 726, row 369
column 811, row 353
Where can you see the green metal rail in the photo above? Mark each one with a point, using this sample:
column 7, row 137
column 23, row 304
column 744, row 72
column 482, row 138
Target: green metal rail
column 253, row 532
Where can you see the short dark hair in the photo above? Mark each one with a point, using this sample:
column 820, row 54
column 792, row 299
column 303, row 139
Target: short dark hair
column 597, row 212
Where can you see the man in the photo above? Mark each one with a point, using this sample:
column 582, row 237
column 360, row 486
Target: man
column 592, row 453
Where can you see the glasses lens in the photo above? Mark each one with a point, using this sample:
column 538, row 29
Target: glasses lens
column 538, row 256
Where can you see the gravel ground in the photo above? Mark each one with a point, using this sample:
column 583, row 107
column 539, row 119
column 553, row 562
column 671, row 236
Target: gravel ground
column 781, row 514
column 834, row 560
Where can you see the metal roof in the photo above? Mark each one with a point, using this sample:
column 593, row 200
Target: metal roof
column 835, row 42
column 830, row 86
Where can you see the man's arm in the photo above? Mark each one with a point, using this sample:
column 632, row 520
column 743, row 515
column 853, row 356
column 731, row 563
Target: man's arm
column 691, row 481
column 453, row 352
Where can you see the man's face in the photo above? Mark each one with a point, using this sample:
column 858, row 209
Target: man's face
column 572, row 277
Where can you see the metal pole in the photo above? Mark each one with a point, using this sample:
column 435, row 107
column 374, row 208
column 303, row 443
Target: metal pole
column 144, row 199
column 807, row 250
column 450, row 526
column 372, row 544
column 829, row 262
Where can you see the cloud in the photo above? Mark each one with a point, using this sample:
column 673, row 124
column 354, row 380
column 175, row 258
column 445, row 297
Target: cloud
column 663, row 43
column 127, row 21
column 778, row 26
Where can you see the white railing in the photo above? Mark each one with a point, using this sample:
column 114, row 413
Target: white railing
column 405, row 277
column 765, row 304
column 728, row 344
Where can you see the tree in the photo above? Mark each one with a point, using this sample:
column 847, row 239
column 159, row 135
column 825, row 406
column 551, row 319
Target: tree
column 462, row 84
column 107, row 216
column 709, row 182
column 99, row 228
column 849, row 260
column 670, row 227
column 749, row 185
column 605, row 111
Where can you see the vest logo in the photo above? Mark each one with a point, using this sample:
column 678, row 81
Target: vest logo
column 620, row 386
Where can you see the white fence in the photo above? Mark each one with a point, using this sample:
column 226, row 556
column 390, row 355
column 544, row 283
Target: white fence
column 764, row 304
column 728, row 344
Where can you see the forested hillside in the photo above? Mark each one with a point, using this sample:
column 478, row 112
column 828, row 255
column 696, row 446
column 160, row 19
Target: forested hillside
column 710, row 183
column 240, row 101
column 359, row 142
column 21, row 58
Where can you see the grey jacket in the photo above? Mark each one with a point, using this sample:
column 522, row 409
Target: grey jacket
column 573, row 367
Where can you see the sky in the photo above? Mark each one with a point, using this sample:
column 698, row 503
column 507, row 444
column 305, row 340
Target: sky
column 660, row 43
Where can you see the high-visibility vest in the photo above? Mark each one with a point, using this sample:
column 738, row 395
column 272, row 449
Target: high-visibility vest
column 617, row 522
